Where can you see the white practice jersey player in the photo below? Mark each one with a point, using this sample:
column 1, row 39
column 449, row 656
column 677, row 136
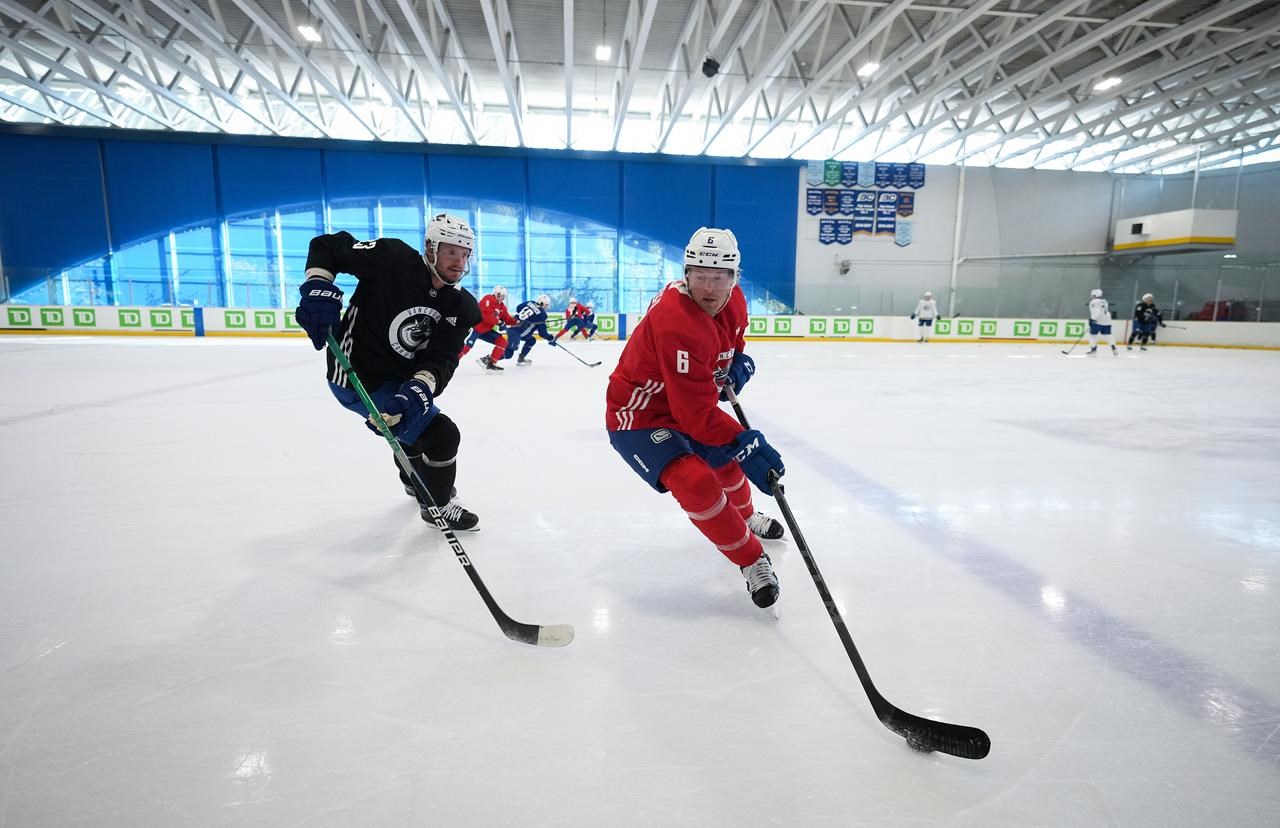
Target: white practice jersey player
column 1100, row 323
column 926, row 309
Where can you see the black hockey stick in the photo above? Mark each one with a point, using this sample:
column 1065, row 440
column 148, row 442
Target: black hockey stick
column 575, row 356
column 923, row 735
column 1073, row 347
column 549, row 635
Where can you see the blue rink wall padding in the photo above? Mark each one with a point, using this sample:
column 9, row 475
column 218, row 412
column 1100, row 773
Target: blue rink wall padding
column 74, row 196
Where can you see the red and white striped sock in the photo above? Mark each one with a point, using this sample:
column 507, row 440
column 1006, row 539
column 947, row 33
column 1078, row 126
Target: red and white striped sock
column 698, row 491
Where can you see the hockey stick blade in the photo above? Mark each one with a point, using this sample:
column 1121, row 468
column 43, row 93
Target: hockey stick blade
column 551, row 635
column 575, row 356
column 922, row 735
column 927, row 735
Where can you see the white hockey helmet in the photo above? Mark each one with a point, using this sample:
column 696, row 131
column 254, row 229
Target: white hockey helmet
column 451, row 230
column 591, row 305
column 545, row 301
column 1096, row 293
column 928, row 294
column 500, row 292
column 712, row 247
column 447, row 229
column 1147, row 297
column 573, row 300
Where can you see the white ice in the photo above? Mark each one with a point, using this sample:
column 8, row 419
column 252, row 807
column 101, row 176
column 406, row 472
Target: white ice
column 218, row 607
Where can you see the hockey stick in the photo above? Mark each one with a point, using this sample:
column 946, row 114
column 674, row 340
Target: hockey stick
column 575, row 356
column 550, row 635
column 923, row 735
column 1073, row 347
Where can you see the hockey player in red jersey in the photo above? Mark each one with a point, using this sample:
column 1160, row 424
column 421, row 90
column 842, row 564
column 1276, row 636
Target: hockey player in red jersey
column 663, row 419
column 493, row 312
column 572, row 312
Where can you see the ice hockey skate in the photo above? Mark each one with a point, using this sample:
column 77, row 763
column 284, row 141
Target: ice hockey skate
column 524, row 361
column 488, row 364
column 761, row 582
column 454, row 514
column 408, row 487
column 1092, row 351
column 763, row 526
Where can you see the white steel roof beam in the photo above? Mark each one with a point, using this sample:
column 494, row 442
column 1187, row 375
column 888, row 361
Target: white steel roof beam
column 90, row 85
column 685, row 49
column 937, row 86
column 1231, row 143
column 801, row 27
column 138, row 39
column 212, row 34
column 457, row 92
column 840, row 60
column 1099, row 69
column 568, row 73
column 87, row 51
column 359, row 54
column 52, row 94
column 1141, row 83
column 1011, row 80
column 633, row 45
column 274, row 37
column 502, row 36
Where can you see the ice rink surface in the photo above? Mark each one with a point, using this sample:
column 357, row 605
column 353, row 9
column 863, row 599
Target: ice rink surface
column 218, row 607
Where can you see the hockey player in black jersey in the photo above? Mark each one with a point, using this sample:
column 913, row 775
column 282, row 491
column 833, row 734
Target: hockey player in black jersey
column 403, row 330
column 1146, row 318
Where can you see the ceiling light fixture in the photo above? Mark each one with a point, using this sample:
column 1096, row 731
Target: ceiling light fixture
column 1108, row 83
column 868, row 69
column 310, row 33
column 603, row 52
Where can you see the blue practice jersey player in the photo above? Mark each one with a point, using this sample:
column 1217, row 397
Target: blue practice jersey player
column 531, row 323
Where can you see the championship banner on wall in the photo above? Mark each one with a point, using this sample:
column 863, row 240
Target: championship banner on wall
column 831, row 173
column 886, row 214
column 849, row 173
column 864, row 213
column 866, row 174
column 813, row 173
column 813, row 201
column 847, row 202
column 878, row 207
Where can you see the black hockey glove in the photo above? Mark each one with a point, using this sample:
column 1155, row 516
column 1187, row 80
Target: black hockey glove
column 319, row 310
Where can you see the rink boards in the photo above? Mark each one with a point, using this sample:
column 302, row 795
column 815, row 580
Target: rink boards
column 197, row 321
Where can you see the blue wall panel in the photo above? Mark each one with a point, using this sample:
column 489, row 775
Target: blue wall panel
column 253, row 179
column 665, row 202
column 155, row 187
column 372, row 175
column 576, row 187
column 51, row 207
column 53, row 216
column 759, row 205
column 469, row 177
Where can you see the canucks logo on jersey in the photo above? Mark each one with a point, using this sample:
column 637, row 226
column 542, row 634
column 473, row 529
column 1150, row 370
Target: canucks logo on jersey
column 411, row 330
